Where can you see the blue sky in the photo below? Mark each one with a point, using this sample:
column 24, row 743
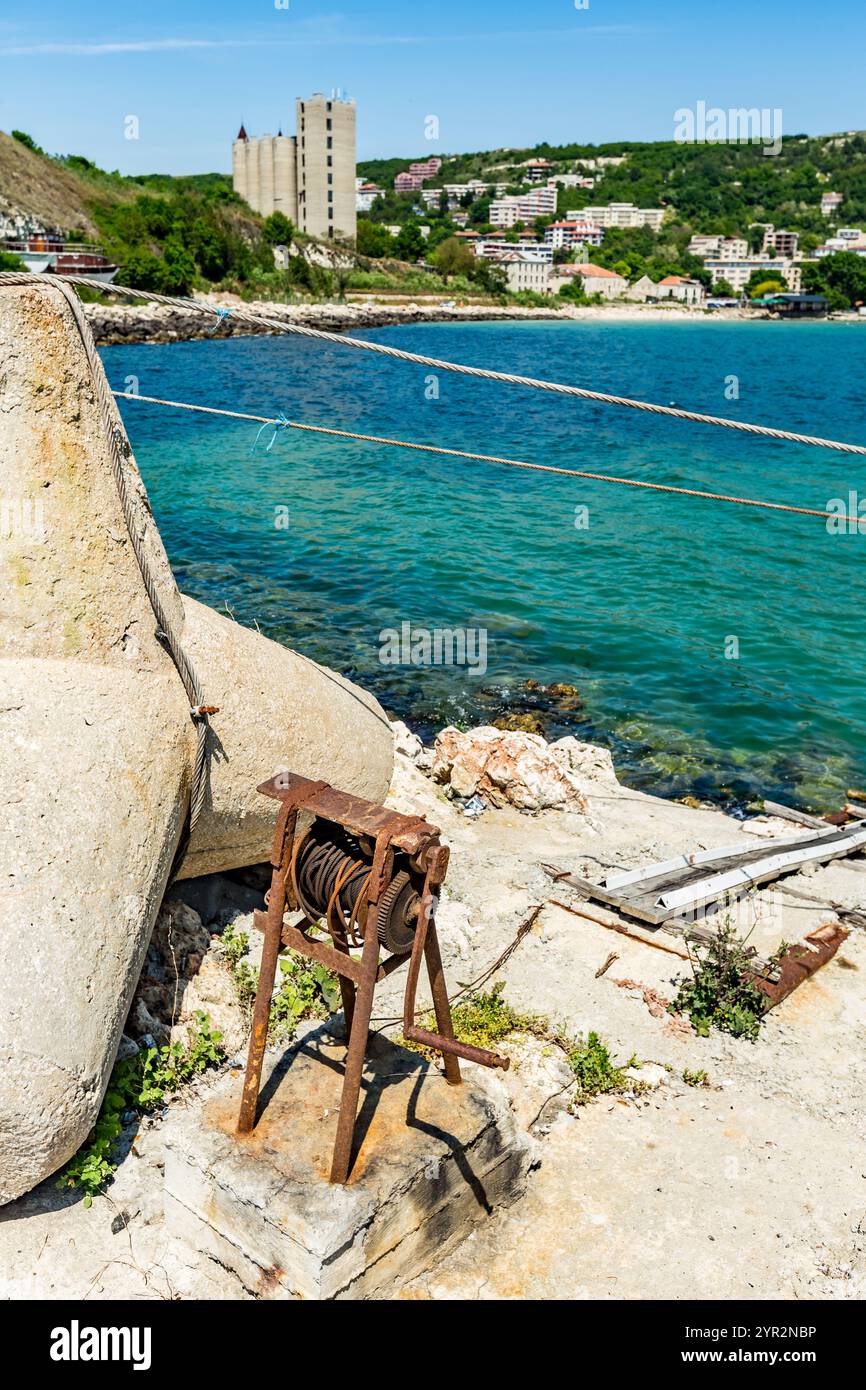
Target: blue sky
column 494, row 74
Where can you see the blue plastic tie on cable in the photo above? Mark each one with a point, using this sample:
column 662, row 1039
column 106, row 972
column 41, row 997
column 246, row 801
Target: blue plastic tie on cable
column 282, row 422
column 221, row 315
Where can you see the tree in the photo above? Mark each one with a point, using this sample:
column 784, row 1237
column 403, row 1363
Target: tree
column 724, row 289
column 762, row 288
column 142, row 271
column 762, row 282
column 373, row 239
column 409, row 244
column 27, row 140
column 8, row 261
column 490, row 276
column 574, row 292
column 842, row 277
column 755, row 238
column 453, row 257
column 278, row 230
column 178, row 268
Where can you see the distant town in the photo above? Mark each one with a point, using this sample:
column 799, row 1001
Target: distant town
column 300, row 217
column 542, row 252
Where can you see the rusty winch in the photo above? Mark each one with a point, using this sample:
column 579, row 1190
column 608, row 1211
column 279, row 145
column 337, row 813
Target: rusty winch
column 371, row 878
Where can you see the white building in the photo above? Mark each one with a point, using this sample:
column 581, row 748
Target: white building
column 572, row 232
column 681, row 288
column 829, row 203
column 621, row 215
column 737, row 273
column 572, row 180
column 456, row 192
column 720, row 248
column 523, row 207
column 366, row 195
column 525, row 271
column 595, row 279
column 494, row 244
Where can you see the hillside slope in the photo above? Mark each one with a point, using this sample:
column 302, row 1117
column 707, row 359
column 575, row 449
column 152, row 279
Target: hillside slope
column 59, row 196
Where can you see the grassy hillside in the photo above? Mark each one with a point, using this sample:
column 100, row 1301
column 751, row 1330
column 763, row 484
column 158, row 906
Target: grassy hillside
column 53, row 191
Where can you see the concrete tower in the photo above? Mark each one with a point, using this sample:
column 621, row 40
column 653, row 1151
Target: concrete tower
column 311, row 176
column 286, row 176
column 239, row 164
column 326, row 166
column 266, row 175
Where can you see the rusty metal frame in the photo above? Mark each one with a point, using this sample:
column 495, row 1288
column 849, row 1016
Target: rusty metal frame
column 389, row 831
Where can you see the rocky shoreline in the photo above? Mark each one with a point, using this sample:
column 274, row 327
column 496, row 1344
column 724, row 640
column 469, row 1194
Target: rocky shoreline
column 158, row 323
column 743, row 1117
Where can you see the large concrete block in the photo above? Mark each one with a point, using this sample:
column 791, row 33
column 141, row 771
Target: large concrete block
column 97, row 743
column 433, row 1160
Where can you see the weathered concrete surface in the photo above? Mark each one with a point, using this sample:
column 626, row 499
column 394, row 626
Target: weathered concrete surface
column 96, row 741
column 433, row 1160
column 278, row 710
column 94, row 745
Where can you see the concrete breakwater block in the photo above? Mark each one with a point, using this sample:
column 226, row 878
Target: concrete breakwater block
column 96, row 739
column 431, row 1161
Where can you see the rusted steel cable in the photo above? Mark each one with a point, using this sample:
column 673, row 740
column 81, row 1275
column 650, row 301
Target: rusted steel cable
column 283, row 423
column 525, row 926
column 243, row 315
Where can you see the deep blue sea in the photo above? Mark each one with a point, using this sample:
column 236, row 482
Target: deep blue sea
column 719, row 650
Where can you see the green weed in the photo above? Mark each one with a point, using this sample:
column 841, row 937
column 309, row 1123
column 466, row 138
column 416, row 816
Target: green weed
column 594, row 1071
column 695, row 1078
column 139, row 1084
column 721, row 992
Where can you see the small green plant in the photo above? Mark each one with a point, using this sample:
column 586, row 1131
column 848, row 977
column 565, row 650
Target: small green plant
column 245, row 977
column 235, row 945
column 481, row 1020
column 695, row 1078
column 594, row 1070
column 722, row 993
column 307, row 990
column 139, row 1084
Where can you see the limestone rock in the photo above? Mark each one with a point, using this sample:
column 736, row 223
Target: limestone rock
column 184, row 973
column 507, row 768
column 539, row 1081
column 405, row 741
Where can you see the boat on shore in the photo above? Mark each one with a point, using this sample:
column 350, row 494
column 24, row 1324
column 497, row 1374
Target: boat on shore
column 56, row 256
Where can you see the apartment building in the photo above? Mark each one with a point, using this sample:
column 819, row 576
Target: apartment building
column 572, row 232
column 309, row 176
column 495, row 244
column 782, row 242
column 720, row 248
column 366, row 195
column 523, row 207
column 407, row 182
column 829, row 203
column 737, row 272
column 621, row 215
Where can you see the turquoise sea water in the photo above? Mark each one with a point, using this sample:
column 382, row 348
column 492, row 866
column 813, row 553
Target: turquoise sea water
column 637, row 609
